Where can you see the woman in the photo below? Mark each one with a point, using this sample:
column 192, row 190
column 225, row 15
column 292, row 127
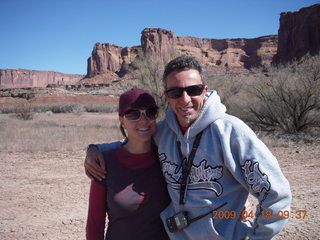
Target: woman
column 134, row 191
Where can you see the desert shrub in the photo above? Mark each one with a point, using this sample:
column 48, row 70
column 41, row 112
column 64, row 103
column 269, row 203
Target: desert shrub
column 229, row 88
column 24, row 111
column 148, row 67
column 105, row 107
column 288, row 97
column 6, row 110
column 76, row 108
column 64, row 108
column 42, row 108
column 57, row 108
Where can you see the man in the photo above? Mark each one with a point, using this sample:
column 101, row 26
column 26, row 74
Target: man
column 212, row 161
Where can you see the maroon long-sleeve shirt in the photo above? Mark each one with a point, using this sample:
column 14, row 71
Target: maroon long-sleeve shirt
column 136, row 195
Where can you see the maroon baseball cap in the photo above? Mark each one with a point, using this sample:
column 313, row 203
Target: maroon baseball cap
column 135, row 98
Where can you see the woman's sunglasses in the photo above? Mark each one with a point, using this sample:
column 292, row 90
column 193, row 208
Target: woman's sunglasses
column 193, row 90
column 135, row 114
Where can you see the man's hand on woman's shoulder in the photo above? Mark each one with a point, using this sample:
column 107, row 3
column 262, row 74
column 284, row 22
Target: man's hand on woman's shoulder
column 94, row 164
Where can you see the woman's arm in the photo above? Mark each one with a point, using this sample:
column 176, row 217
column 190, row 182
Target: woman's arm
column 96, row 212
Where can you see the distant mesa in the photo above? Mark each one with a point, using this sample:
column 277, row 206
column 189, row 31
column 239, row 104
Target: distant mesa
column 23, row 78
column 298, row 35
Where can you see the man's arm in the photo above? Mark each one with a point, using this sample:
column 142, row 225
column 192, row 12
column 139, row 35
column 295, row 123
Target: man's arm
column 94, row 163
column 264, row 179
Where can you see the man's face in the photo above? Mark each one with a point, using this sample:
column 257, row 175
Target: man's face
column 186, row 108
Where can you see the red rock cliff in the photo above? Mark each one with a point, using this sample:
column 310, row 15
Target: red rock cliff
column 157, row 40
column 107, row 57
column 236, row 55
column 299, row 34
column 22, row 78
column 233, row 55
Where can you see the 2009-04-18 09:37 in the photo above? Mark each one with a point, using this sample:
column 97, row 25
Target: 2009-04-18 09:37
column 298, row 214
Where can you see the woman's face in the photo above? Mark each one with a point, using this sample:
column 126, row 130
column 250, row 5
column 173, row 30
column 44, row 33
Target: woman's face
column 140, row 124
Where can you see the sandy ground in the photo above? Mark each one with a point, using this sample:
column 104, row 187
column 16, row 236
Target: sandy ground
column 44, row 194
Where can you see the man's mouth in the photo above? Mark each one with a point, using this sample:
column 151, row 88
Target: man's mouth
column 187, row 111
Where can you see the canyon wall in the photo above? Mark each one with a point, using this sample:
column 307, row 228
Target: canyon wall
column 218, row 56
column 299, row 34
column 23, row 78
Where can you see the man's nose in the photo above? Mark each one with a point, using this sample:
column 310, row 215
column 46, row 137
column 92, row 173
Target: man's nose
column 185, row 98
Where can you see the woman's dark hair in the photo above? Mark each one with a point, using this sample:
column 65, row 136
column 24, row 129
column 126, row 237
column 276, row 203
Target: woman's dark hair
column 123, row 132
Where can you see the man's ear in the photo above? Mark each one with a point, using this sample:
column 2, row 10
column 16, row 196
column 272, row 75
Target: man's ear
column 206, row 88
column 165, row 94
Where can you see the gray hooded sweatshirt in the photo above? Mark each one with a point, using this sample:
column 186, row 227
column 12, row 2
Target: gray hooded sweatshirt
column 229, row 163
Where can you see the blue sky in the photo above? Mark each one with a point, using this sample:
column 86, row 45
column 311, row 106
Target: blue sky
column 59, row 35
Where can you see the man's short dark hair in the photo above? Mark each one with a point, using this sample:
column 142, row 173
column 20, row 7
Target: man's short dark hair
column 183, row 63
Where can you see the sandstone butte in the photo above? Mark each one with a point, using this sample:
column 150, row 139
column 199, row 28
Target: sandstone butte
column 298, row 35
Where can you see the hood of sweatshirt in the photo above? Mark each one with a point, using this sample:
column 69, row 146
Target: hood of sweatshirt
column 212, row 110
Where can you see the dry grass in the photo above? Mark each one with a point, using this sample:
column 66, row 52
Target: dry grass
column 74, row 131
column 51, row 132
column 25, row 107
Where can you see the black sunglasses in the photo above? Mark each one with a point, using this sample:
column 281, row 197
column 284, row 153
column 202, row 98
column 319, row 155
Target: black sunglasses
column 193, row 90
column 135, row 114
